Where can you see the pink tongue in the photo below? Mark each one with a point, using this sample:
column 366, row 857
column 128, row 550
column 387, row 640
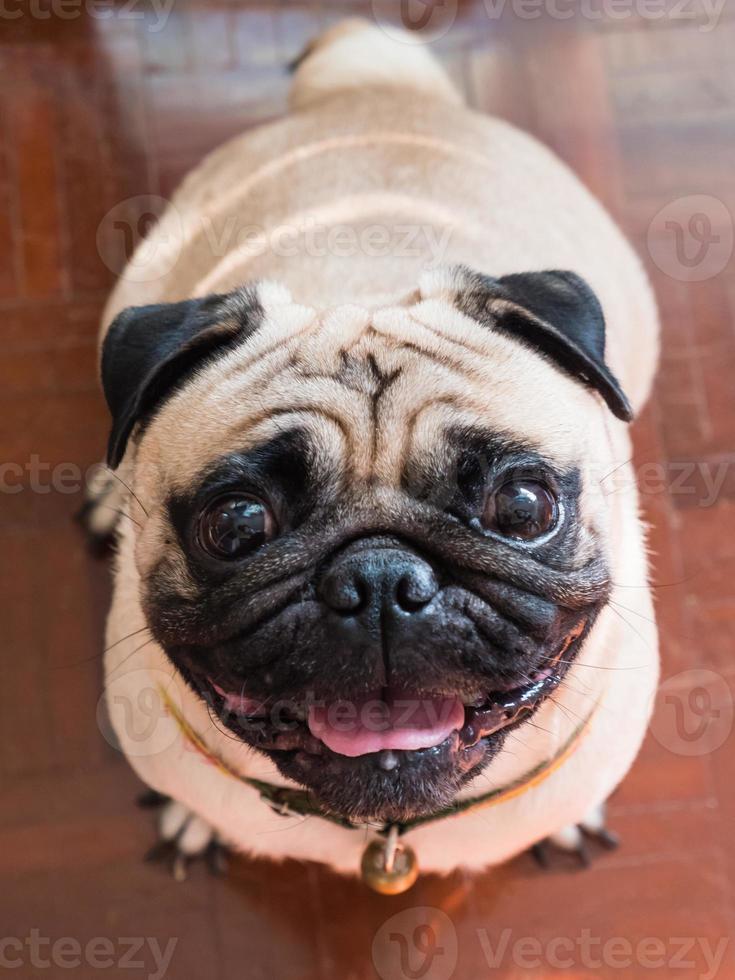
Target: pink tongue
column 394, row 720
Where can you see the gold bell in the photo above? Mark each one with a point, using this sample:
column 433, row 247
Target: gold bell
column 388, row 866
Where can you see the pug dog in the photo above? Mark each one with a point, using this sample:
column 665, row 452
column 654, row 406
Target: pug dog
column 379, row 555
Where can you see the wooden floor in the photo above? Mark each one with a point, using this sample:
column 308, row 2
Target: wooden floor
column 95, row 111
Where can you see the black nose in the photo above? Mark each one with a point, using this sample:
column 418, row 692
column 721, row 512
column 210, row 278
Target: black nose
column 381, row 579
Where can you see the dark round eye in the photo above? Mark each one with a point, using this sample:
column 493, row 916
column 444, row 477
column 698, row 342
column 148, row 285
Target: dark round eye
column 520, row 509
column 232, row 527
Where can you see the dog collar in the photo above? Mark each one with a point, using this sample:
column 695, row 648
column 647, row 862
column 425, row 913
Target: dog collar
column 388, row 865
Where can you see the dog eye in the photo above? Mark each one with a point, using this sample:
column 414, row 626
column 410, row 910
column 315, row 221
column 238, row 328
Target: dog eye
column 520, row 509
column 232, row 527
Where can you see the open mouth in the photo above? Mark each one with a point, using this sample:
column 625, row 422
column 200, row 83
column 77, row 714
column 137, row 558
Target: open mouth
column 390, row 725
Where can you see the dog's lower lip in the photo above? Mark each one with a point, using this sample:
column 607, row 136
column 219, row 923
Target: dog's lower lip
column 505, row 709
column 240, row 704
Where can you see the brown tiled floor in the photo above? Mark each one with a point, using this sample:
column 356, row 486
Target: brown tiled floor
column 97, row 110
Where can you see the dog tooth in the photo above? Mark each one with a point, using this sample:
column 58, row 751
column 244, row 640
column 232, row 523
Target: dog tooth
column 388, row 760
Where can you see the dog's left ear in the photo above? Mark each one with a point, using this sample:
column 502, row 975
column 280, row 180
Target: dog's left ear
column 149, row 351
column 554, row 312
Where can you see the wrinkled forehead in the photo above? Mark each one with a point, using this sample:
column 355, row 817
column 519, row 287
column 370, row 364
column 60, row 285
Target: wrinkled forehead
column 375, row 388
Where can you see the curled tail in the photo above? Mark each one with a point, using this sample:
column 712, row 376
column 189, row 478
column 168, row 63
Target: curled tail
column 356, row 54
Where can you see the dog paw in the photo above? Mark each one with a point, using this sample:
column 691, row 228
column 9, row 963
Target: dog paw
column 582, row 840
column 101, row 511
column 183, row 838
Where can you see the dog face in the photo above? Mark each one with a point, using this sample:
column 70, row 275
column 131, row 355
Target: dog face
column 371, row 545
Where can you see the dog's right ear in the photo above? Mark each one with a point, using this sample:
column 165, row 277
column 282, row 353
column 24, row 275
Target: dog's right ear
column 149, row 351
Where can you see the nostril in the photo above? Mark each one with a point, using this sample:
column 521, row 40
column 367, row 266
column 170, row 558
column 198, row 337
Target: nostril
column 415, row 589
column 344, row 593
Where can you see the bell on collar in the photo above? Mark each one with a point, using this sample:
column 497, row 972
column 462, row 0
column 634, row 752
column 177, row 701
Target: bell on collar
column 389, row 866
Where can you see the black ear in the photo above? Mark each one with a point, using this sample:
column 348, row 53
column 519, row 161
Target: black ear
column 149, row 351
column 557, row 314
